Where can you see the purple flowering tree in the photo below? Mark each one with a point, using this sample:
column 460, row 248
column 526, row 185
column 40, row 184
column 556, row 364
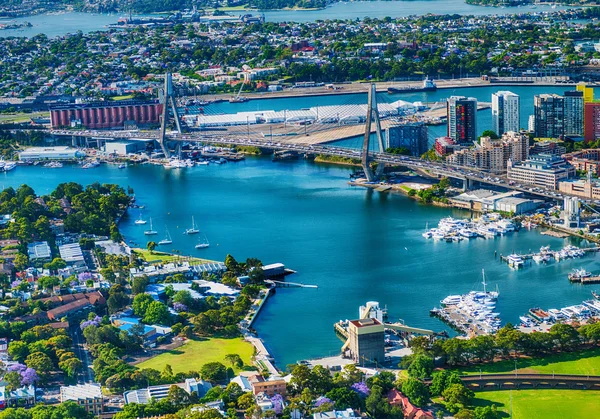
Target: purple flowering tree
column 28, row 375
column 278, row 404
column 94, row 322
column 322, row 400
column 361, row 388
column 179, row 307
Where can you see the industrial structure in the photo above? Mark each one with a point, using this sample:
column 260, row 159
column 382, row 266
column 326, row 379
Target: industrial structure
column 106, row 114
column 364, row 338
column 167, row 100
column 372, row 116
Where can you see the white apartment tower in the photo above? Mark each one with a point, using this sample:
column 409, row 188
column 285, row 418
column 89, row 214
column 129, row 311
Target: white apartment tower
column 505, row 112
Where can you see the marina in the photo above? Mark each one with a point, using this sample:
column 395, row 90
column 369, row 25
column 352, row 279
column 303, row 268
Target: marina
column 487, row 226
column 577, row 314
column 546, row 255
column 473, row 313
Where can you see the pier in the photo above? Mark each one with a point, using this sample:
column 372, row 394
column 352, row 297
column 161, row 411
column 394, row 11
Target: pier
column 284, row 284
column 583, row 280
column 528, row 256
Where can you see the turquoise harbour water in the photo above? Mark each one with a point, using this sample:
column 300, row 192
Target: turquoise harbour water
column 354, row 243
column 60, row 24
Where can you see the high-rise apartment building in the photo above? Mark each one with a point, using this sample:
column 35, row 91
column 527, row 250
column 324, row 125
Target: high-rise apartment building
column 505, row 112
column 462, row 119
column 549, row 114
column 574, row 103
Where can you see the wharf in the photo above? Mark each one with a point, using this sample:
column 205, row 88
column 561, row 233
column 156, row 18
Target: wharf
column 588, row 280
column 235, row 157
column 557, row 234
column 528, row 256
column 460, row 321
column 285, row 284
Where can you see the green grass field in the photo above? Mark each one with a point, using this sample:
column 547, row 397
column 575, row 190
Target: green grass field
column 22, row 117
column 542, row 404
column 162, row 257
column 195, row 353
column 583, row 363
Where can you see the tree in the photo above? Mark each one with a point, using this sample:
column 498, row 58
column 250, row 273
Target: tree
column 70, row 366
column 441, row 380
column 167, row 374
column 157, row 313
column 565, row 335
column 18, row 350
column 13, row 378
column 151, row 246
column 178, row 396
column 139, row 284
column 458, row 394
column 421, row 367
column 416, row 391
column 246, row 401
column 141, row 302
column 235, row 360
column 343, row 398
column 487, row 412
column 378, row 406
column 213, row 372
column 40, row 362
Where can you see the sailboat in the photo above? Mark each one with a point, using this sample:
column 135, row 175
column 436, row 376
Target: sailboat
column 203, row 244
column 238, row 98
column 167, row 239
column 140, row 221
column 193, row 230
column 150, row 232
column 491, row 294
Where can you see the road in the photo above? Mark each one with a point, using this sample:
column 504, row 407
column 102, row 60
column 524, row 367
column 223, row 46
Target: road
column 283, row 143
column 86, row 374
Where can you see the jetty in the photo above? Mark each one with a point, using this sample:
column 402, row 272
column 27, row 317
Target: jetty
column 595, row 279
column 285, row 284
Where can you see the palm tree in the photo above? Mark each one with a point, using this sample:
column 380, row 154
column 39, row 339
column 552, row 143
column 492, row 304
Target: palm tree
column 151, row 246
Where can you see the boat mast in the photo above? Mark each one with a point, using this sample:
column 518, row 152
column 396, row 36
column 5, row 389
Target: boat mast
column 484, row 284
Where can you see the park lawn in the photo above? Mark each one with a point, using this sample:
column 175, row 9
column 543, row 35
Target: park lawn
column 581, row 363
column 124, row 97
column 163, row 257
column 192, row 355
column 542, row 404
column 22, row 116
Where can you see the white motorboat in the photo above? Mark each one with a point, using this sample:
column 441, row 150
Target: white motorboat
column 140, row 221
column 9, row 165
column 203, row 163
column 150, row 232
column 515, row 261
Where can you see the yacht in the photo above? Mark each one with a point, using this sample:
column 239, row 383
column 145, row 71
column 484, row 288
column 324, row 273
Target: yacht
column 452, row 300
column 515, row 261
column 203, row 244
column 579, row 274
column 150, row 232
column 467, row 232
column 193, row 229
column 203, row 163
column 122, row 166
column 167, row 239
column 9, row 165
column 140, row 221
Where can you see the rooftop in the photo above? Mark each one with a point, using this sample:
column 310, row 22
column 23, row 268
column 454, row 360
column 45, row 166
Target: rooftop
column 80, row 392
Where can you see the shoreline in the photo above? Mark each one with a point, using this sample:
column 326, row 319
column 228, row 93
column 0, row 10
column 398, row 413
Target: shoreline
column 362, row 88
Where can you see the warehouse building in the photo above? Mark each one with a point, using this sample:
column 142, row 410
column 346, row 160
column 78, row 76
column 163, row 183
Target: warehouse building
column 50, row 153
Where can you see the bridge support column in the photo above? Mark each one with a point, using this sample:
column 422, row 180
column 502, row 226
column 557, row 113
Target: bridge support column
column 73, row 140
column 372, row 116
column 467, row 184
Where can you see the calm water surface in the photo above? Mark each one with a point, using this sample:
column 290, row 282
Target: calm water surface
column 355, row 244
column 61, row 24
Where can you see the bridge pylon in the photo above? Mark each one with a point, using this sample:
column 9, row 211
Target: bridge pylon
column 372, row 116
column 167, row 98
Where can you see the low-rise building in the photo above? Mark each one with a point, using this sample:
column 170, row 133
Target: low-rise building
column 39, row 251
column 542, row 170
column 160, row 392
column 24, row 396
column 483, row 200
column 50, row 153
column 88, row 396
column 580, row 188
column 72, row 255
column 585, row 160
